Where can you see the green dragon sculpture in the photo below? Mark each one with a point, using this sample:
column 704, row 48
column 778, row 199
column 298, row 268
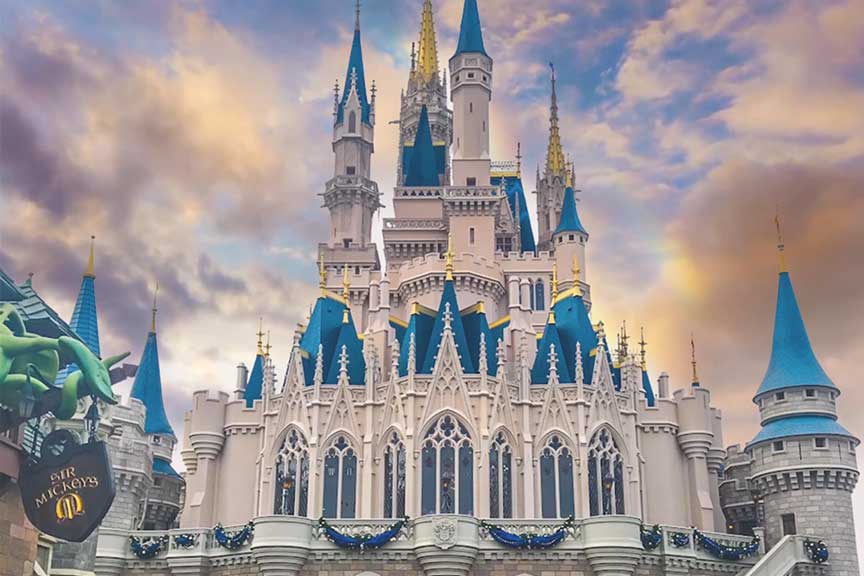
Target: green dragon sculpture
column 29, row 364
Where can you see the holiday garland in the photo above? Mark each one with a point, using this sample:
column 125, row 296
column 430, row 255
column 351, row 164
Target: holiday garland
column 528, row 540
column 364, row 541
column 185, row 540
column 236, row 540
column 147, row 548
column 680, row 539
column 651, row 539
column 724, row 552
column 816, row 550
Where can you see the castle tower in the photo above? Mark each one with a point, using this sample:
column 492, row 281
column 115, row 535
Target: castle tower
column 163, row 497
column 426, row 88
column 552, row 185
column 85, row 321
column 570, row 238
column 471, row 92
column 803, row 461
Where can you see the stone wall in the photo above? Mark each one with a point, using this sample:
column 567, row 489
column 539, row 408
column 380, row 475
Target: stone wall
column 17, row 536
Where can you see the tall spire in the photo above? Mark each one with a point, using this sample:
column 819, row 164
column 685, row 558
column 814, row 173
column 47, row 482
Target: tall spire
column 355, row 76
column 781, row 248
column 570, row 221
column 422, row 169
column 84, row 321
column 153, row 310
column 90, row 271
column 427, row 55
column 693, row 360
column 357, row 15
column 555, row 163
column 148, row 387
column 260, row 335
column 470, row 32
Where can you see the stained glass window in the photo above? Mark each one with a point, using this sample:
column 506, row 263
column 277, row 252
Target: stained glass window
column 340, row 480
column 500, row 478
column 394, row 477
column 556, row 480
column 292, row 476
column 605, row 475
column 447, row 469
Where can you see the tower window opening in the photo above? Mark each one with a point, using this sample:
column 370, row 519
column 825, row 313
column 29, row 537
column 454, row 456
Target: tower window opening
column 471, row 181
column 851, row 447
column 346, row 242
column 471, row 236
column 821, row 443
column 539, row 295
column 351, row 170
column 779, row 446
column 356, row 270
column 352, row 121
column 470, row 106
column 780, row 396
column 788, row 521
column 470, row 75
column 810, row 393
column 484, row 126
column 571, row 237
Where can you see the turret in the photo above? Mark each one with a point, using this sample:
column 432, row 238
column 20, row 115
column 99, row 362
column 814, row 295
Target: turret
column 802, row 455
column 570, row 237
column 85, row 321
column 471, row 92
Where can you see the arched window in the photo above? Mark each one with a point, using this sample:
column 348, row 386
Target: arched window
column 394, row 478
column 340, row 480
column 539, row 295
column 352, row 122
column 292, row 476
column 556, row 480
column 500, row 478
column 605, row 475
column 448, row 469
column 531, row 294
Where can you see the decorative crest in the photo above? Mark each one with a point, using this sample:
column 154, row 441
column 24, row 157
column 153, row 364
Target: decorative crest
column 343, row 363
column 318, row 377
column 518, row 161
column 500, row 358
column 553, row 365
column 624, row 339
column 448, row 318
column 579, row 372
column 483, row 362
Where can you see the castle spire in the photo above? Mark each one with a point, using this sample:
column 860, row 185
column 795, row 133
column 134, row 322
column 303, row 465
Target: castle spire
column 85, row 322
column 470, row 32
column 90, row 271
column 555, row 164
column 781, row 247
column 260, row 335
column 355, row 76
column 154, row 309
column 693, row 360
column 642, row 345
column 148, row 383
column 427, row 55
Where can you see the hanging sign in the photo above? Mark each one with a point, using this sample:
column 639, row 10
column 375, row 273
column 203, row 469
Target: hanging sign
column 70, row 490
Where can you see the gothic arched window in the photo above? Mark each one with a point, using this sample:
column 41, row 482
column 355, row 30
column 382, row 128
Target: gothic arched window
column 556, row 480
column 539, row 295
column 292, row 476
column 605, row 475
column 394, row 478
column 531, row 295
column 352, row 122
column 447, row 474
column 340, row 480
column 500, row 478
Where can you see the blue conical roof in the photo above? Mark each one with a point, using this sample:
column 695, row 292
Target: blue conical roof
column 448, row 296
column 353, row 348
column 470, row 33
column 420, row 327
column 793, row 362
column 574, row 325
column 423, row 170
column 148, row 389
column 569, row 215
column 255, row 383
column 355, row 66
column 475, row 324
column 540, row 370
column 85, row 322
column 518, row 208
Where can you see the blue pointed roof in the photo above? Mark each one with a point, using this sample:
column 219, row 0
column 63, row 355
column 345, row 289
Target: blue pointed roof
column 574, row 325
column 84, row 323
column 355, row 66
column 793, row 362
column 516, row 198
column 474, row 322
column 420, row 326
column 323, row 329
column 540, row 370
column 646, row 387
column 448, row 296
column 354, row 349
column 802, row 425
column 470, row 32
column 164, row 467
column 255, row 383
column 423, row 170
column 148, row 389
column 569, row 215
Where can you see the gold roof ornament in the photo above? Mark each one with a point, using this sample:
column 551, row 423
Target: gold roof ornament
column 448, row 265
column 153, row 310
column 577, row 288
column 554, row 282
column 322, row 274
column 90, row 271
column 346, row 284
column 427, row 54
column 260, row 335
column 781, row 247
column 693, row 359
column 642, row 345
column 267, row 346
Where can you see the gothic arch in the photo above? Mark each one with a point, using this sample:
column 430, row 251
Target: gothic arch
column 433, row 419
column 605, row 474
column 279, row 439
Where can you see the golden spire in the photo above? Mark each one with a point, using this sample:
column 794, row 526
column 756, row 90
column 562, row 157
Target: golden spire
column 781, row 248
column 90, row 272
column 322, row 274
column 346, row 284
column 260, row 335
column 642, row 345
column 577, row 288
column 448, row 266
column 555, row 164
column 554, row 282
column 267, row 346
column 427, row 55
column 693, row 359
column 568, row 174
column 153, row 311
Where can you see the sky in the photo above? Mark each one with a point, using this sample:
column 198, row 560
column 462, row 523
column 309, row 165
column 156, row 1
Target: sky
column 192, row 138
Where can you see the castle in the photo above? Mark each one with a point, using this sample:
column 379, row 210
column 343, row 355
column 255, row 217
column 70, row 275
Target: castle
column 465, row 378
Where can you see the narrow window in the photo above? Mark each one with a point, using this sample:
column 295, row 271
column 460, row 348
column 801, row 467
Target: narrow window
column 470, row 104
column 447, row 469
column 780, row 396
column 470, row 75
column 484, row 126
column 352, row 122
column 789, row 528
column 605, row 476
column 810, row 393
column 471, row 236
column 292, row 476
column 779, row 446
column 471, row 181
column 556, row 480
column 340, row 480
column 346, row 242
column 821, row 442
column 351, row 170
column 500, row 479
column 539, row 295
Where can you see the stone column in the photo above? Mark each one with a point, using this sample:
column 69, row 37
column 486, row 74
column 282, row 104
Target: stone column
column 446, row 545
column 613, row 544
column 111, row 552
column 281, row 544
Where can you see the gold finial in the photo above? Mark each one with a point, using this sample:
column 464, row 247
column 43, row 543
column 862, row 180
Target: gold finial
column 554, row 154
column 90, row 272
column 260, row 335
column 448, row 266
column 642, row 345
column 577, row 288
column 267, row 346
column 554, row 282
column 153, row 310
column 322, row 274
column 551, row 317
column 346, row 284
column 519, row 159
column 481, row 307
column 415, row 308
column 781, row 248
column 427, row 54
column 345, row 315
column 624, row 338
column 693, row 359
